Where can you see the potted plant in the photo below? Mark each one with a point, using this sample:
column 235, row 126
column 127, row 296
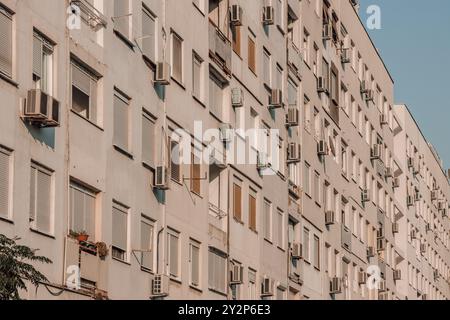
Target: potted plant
column 81, row 236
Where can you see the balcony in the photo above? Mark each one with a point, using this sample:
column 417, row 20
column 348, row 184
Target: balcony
column 220, row 48
column 90, row 15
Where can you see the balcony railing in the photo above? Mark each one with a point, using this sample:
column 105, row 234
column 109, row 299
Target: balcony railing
column 89, row 14
column 216, row 211
column 219, row 48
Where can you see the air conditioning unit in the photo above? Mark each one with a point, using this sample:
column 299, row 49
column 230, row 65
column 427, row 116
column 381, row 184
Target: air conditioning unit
column 413, row 234
column 383, row 119
column 296, row 251
column 263, row 161
column 397, row 274
column 160, row 286
column 327, row 31
column 268, row 15
column 423, row 248
column 371, row 252
column 365, row 196
column 292, row 117
column 322, row 84
column 382, row 286
column 236, row 274
column 225, row 133
column 389, row 173
column 335, row 285
column 236, row 15
column 161, row 178
column 346, row 55
column 369, row 96
column 434, row 195
column 237, row 97
column 330, row 217
column 381, row 244
column 376, row 152
column 162, row 73
column 395, row 227
column 409, row 201
column 267, row 287
column 41, row 109
column 362, row 277
column 276, row 99
column 396, row 183
column 322, row 148
column 294, row 152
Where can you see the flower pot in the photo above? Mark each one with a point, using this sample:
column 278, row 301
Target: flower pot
column 82, row 237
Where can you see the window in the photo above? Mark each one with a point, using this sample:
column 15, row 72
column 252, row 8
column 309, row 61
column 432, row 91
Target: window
column 307, row 179
column 197, row 78
column 237, row 202
column 267, row 220
column 306, row 244
column 82, row 209
column 281, row 293
column 251, row 285
column 119, row 231
column 149, row 39
column 316, row 252
column 42, row 63
column 177, row 58
column 280, row 229
column 306, row 46
column 216, row 86
column 121, row 119
column 40, row 195
column 236, row 32
column 5, row 42
column 292, row 93
column 195, row 172
column 84, row 92
column 267, row 68
column 252, row 54
column 122, row 17
column 147, row 233
column 217, row 271
column 279, row 78
column 5, row 180
column 252, row 211
column 175, row 168
column 172, row 253
column 148, row 139
column 317, row 193
column 194, row 263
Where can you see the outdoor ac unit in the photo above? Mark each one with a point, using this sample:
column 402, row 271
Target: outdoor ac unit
column 276, row 98
column 413, row 234
column 162, row 73
column 327, row 31
column 237, row 97
column 296, row 251
column 268, row 15
column 322, row 84
column 335, row 285
column 41, row 109
column 377, row 150
column 409, row 201
column 160, row 285
column 161, row 178
column 294, row 152
column 389, row 173
column 397, row 274
column 370, row 252
column 236, row 15
column 263, row 161
column 383, row 119
column 396, row 183
column 236, row 274
column 364, row 87
column 346, row 55
column 225, row 133
column 292, row 116
column 434, row 195
column 382, row 286
column 365, row 197
column 362, row 277
column 395, row 227
column 381, row 244
column 329, row 217
column 267, row 287
column 423, row 248
column 322, row 148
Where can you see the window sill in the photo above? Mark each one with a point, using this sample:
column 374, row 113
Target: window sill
column 238, row 221
column 124, row 38
column 42, row 233
column 7, row 220
column 176, row 280
column 146, row 270
column 199, row 101
column 198, row 9
column 8, row 80
column 195, row 288
column 148, row 166
column 121, row 261
column 87, row 120
column 123, row 151
column 218, row 292
column 179, row 83
column 268, row 241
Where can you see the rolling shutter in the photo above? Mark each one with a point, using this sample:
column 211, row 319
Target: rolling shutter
column 5, row 42
column 4, row 184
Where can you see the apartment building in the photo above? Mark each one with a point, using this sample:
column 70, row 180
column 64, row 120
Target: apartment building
column 98, row 97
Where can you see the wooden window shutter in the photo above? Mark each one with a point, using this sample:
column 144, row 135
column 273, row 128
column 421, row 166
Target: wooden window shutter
column 251, row 55
column 237, row 202
column 121, row 121
column 195, row 175
column 37, row 56
column 4, row 184
column 252, row 212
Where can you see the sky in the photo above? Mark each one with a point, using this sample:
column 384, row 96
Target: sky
column 414, row 42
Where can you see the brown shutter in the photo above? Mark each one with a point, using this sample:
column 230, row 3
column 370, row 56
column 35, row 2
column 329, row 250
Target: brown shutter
column 4, row 184
column 252, row 212
column 237, row 202
column 251, row 55
column 195, row 175
column 236, row 34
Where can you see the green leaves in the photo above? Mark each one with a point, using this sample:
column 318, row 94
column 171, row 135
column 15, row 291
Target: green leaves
column 16, row 268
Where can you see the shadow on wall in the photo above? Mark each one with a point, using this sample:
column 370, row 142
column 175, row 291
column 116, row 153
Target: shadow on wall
column 45, row 136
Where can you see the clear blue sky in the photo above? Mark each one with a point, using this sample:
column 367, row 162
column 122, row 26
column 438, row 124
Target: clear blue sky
column 414, row 42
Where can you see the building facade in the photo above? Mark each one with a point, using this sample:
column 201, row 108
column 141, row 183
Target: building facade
column 100, row 98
